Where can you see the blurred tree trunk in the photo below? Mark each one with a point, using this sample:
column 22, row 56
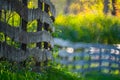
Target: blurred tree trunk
column 114, row 7
column 66, row 9
column 106, row 6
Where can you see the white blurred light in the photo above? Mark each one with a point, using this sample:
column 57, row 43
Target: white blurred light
column 112, row 50
column 118, row 46
column 70, row 50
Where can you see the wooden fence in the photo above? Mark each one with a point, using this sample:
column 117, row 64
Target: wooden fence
column 85, row 57
column 44, row 14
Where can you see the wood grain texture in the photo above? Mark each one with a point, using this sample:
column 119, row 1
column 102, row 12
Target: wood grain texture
column 19, row 55
column 24, row 12
column 25, row 37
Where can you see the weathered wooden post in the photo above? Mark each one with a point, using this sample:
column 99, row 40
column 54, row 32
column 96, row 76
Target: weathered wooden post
column 24, row 25
column 39, row 28
column 44, row 14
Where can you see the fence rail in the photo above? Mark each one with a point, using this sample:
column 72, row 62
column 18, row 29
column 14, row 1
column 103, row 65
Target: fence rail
column 83, row 57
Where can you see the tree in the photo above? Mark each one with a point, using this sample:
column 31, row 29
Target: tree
column 114, row 7
column 106, row 6
column 66, row 9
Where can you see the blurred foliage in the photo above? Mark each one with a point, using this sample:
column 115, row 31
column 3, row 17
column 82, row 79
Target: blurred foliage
column 86, row 22
column 78, row 6
column 95, row 28
column 84, row 6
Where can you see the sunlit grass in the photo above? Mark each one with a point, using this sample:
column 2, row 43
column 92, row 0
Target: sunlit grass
column 97, row 28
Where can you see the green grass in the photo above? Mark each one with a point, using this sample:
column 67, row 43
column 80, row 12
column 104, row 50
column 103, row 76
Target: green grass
column 10, row 72
column 90, row 28
column 100, row 76
column 51, row 74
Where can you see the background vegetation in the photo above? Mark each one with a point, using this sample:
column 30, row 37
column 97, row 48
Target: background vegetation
column 88, row 28
column 89, row 21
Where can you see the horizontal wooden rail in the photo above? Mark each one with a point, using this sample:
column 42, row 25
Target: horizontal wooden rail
column 87, row 56
column 19, row 55
column 25, row 37
column 64, row 53
column 52, row 7
column 24, row 12
column 19, row 5
column 78, row 45
column 84, row 62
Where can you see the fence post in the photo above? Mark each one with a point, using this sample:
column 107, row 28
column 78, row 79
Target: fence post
column 100, row 58
column 119, row 62
column 89, row 64
column 110, row 62
column 82, row 58
column 39, row 28
column 24, row 27
column 46, row 26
